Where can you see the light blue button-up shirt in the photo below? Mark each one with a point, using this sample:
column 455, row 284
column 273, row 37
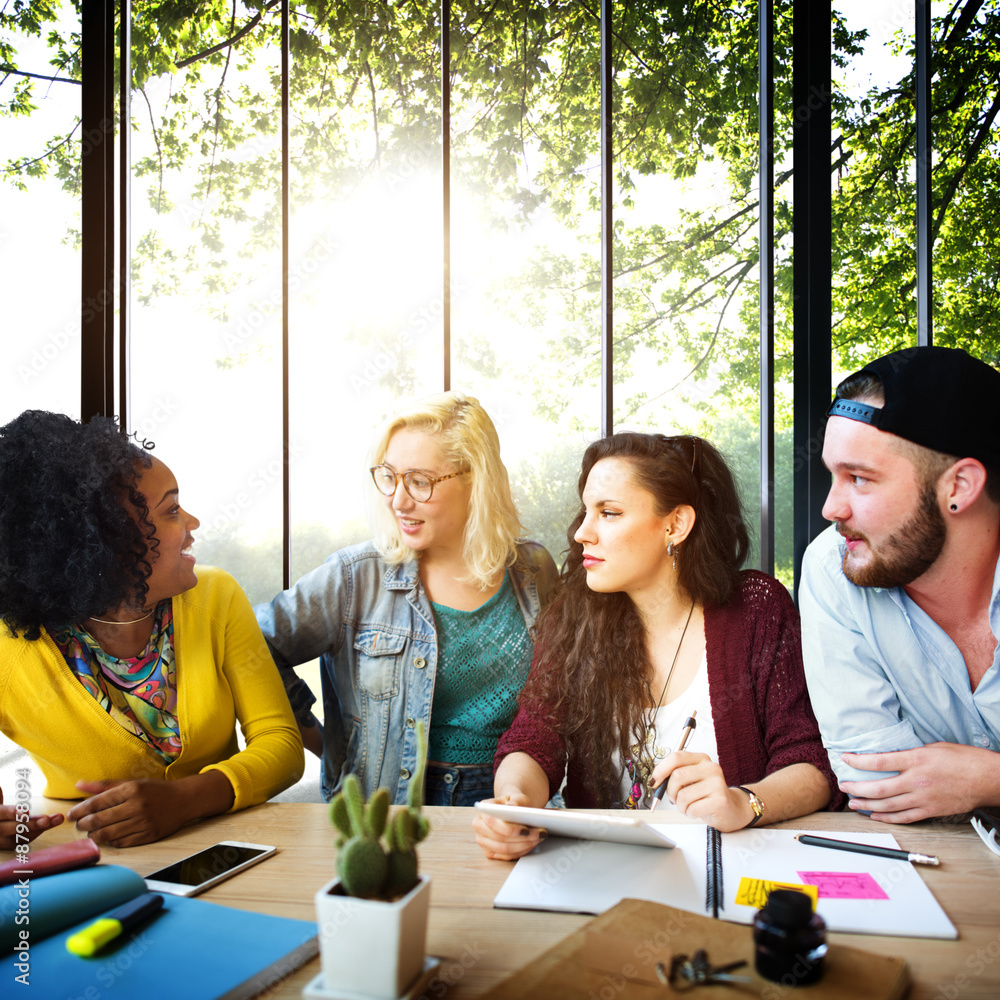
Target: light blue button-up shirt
column 882, row 674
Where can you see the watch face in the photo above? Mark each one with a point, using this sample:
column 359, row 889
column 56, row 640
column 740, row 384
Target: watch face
column 756, row 803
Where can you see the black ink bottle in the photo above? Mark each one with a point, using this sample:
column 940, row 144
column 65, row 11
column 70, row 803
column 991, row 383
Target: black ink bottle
column 789, row 939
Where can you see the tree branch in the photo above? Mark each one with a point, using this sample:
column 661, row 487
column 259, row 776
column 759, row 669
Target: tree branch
column 968, row 160
column 709, row 233
column 596, row 15
column 24, row 164
column 245, row 30
column 374, row 93
column 10, row 71
column 159, row 150
column 711, row 344
column 965, row 20
column 218, row 114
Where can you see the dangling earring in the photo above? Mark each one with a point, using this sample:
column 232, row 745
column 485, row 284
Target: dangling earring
column 672, row 551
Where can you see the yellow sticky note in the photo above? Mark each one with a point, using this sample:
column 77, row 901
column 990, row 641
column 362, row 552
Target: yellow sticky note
column 754, row 891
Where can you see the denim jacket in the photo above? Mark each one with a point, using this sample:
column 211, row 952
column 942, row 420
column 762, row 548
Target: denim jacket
column 372, row 626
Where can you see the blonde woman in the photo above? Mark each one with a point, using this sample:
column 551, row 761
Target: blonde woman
column 430, row 620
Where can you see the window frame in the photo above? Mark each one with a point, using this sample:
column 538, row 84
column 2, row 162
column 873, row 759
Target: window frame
column 105, row 357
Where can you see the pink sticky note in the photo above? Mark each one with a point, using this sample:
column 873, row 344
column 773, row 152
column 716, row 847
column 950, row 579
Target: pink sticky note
column 844, row 885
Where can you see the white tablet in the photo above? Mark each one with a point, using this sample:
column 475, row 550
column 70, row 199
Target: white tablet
column 624, row 829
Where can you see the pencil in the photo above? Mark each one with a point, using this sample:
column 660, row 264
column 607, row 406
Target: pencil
column 879, row 852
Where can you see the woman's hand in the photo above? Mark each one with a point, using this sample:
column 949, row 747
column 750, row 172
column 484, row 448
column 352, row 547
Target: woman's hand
column 9, row 825
column 695, row 784
column 503, row 841
column 129, row 813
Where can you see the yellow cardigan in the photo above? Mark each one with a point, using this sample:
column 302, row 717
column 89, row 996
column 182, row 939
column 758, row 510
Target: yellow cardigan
column 224, row 675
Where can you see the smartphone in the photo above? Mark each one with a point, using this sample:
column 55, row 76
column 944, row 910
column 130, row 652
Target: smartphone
column 200, row 871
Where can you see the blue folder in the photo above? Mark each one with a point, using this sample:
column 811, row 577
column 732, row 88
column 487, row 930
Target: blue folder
column 192, row 948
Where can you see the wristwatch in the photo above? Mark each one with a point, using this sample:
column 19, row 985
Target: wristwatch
column 756, row 804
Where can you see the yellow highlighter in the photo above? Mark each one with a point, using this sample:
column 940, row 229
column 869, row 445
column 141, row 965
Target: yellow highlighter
column 93, row 938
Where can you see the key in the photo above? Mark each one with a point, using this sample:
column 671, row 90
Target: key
column 698, row 971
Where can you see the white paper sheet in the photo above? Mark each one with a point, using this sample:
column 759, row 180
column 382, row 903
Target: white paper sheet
column 578, row 876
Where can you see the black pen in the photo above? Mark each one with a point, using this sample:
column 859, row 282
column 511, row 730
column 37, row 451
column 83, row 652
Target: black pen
column 878, row 852
column 689, row 727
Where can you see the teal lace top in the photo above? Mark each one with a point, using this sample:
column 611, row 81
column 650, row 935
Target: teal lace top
column 483, row 661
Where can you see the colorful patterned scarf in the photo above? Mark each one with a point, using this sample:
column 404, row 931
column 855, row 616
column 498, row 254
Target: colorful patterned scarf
column 139, row 693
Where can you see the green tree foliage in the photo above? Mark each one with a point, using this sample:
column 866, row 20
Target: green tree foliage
column 525, row 133
column 873, row 208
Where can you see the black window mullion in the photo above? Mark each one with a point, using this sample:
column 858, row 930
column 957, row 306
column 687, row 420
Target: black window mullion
column 924, row 152
column 286, row 531
column 812, row 265
column 765, row 128
column 97, row 330
column 446, row 186
column 125, row 213
column 607, row 227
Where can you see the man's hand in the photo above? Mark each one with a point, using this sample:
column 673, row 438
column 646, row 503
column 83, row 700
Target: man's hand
column 35, row 825
column 939, row 779
column 129, row 813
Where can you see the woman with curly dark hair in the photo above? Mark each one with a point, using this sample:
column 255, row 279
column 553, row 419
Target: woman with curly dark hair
column 655, row 622
column 122, row 672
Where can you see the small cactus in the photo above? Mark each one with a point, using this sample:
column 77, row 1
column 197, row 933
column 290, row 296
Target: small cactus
column 365, row 868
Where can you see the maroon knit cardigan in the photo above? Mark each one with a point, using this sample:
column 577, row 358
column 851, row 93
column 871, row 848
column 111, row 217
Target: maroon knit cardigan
column 760, row 705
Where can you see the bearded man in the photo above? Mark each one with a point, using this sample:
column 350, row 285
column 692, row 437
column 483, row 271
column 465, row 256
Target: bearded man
column 900, row 597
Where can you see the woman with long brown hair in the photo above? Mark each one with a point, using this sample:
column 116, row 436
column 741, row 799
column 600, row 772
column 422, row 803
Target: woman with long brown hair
column 654, row 620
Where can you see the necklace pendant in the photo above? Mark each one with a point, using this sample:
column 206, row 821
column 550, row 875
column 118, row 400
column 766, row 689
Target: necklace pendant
column 658, row 752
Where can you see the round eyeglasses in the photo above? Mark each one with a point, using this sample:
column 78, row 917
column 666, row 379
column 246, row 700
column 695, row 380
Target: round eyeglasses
column 418, row 485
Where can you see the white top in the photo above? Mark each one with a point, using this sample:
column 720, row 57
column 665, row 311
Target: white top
column 664, row 735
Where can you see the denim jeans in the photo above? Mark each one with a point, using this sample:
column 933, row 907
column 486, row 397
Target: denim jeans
column 457, row 786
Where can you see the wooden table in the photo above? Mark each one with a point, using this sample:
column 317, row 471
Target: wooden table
column 481, row 945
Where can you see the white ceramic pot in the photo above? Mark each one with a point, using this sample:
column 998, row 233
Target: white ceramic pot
column 370, row 946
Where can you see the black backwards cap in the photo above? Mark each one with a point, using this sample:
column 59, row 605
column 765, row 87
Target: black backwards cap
column 938, row 397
